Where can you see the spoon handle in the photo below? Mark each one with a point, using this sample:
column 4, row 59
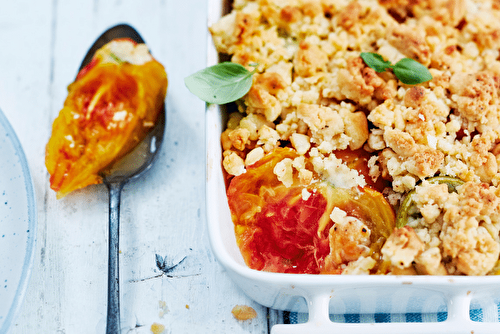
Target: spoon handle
column 113, row 317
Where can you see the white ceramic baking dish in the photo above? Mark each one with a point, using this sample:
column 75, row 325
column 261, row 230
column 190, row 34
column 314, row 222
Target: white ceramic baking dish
column 322, row 295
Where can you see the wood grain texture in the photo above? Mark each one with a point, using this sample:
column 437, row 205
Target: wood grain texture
column 162, row 214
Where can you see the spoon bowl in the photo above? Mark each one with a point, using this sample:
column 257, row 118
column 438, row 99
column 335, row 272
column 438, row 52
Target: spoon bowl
column 116, row 175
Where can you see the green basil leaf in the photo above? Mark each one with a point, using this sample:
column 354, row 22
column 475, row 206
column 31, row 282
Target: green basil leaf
column 222, row 83
column 411, row 72
column 375, row 61
column 407, row 70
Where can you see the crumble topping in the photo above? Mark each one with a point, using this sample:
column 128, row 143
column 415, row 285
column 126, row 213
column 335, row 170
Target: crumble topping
column 315, row 94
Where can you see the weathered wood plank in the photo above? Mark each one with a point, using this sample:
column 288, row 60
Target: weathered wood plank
column 162, row 213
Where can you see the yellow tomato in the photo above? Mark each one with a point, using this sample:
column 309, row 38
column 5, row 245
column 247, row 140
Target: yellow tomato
column 287, row 229
column 109, row 109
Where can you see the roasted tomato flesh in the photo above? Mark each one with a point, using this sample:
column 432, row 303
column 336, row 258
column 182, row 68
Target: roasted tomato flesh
column 110, row 108
column 358, row 159
column 289, row 229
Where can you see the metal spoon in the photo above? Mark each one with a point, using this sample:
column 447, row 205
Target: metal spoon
column 115, row 176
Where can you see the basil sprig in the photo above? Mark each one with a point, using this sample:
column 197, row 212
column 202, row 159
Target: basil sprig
column 407, row 70
column 222, row 83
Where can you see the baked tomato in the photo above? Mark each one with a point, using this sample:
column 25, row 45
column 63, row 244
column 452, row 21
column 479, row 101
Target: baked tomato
column 111, row 106
column 358, row 159
column 290, row 229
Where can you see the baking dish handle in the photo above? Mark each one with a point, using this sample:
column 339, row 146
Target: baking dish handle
column 458, row 320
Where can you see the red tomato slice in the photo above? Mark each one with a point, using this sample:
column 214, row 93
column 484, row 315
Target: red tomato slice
column 279, row 230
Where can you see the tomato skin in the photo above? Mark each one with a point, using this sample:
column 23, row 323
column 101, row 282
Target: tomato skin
column 109, row 109
column 278, row 229
column 87, row 68
column 358, row 159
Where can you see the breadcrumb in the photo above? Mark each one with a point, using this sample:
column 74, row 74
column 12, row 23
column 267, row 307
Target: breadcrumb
column 243, row 312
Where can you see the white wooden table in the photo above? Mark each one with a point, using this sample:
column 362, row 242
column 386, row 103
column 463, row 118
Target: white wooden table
column 162, row 213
